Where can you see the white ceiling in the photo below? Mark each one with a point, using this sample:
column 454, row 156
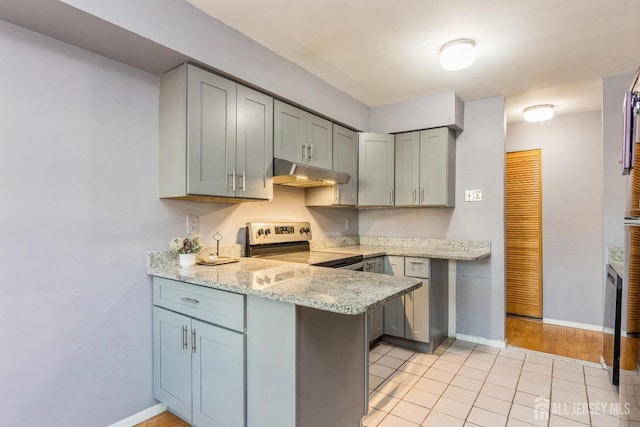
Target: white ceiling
column 384, row 51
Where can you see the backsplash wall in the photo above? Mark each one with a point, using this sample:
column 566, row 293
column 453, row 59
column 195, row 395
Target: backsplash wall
column 287, row 205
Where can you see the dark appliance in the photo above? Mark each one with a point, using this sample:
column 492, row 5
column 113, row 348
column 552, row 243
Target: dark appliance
column 612, row 324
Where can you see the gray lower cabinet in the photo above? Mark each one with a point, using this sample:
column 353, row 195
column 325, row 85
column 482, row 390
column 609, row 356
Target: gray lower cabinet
column 345, row 159
column 425, row 168
column 216, row 137
column 302, row 137
column 420, row 316
column 375, row 316
column 375, row 169
column 198, row 366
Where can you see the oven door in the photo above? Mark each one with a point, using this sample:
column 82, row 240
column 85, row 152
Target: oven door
column 358, row 266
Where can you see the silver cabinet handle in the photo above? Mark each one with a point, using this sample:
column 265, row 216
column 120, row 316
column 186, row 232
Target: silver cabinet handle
column 337, row 193
column 193, row 340
column 391, row 197
column 184, row 337
column 416, row 262
column 190, row 300
column 304, row 152
column 310, row 151
column 414, row 195
column 233, row 180
column 422, row 195
column 244, row 181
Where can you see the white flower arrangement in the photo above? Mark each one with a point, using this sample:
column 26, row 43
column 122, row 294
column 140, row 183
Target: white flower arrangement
column 187, row 245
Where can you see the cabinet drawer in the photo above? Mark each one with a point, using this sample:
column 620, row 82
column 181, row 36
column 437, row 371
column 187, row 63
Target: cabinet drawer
column 211, row 305
column 416, row 267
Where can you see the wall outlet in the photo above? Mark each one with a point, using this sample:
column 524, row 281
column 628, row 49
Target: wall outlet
column 468, row 196
column 193, row 224
column 477, row 195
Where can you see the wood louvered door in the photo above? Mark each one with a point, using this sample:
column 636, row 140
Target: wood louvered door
column 524, row 233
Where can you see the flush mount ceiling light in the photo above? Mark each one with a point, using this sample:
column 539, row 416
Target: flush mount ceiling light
column 538, row 113
column 457, row 54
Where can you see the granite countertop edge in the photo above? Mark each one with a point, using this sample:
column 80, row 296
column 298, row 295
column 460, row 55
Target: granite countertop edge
column 370, row 251
column 344, row 304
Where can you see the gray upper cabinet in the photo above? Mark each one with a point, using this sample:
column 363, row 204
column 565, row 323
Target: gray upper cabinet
column 254, row 162
column 437, row 167
column 407, row 171
column 216, row 137
column 425, row 168
column 302, row 137
column 375, row 169
column 345, row 159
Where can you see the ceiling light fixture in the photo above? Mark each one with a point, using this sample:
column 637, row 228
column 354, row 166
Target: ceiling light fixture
column 457, row 54
column 538, row 113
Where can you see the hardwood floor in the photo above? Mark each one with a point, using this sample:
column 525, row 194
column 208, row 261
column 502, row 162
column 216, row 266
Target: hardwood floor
column 563, row 341
column 559, row 340
column 165, row 419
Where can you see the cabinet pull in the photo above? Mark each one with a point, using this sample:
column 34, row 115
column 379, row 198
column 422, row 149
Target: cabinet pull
column 422, row 195
column 185, row 338
column 244, row 181
column 233, row 180
column 414, row 195
column 416, row 262
column 304, row 152
column 391, row 196
column 190, row 300
column 310, row 151
column 337, row 193
column 193, row 340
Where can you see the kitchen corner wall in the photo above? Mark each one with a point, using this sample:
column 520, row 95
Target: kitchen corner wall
column 572, row 191
column 613, row 90
column 479, row 165
column 79, row 185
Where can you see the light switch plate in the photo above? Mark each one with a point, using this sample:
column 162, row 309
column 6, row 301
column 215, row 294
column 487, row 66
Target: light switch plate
column 477, row 195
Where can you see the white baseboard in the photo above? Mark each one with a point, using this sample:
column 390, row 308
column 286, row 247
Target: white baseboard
column 141, row 416
column 481, row 340
column 577, row 325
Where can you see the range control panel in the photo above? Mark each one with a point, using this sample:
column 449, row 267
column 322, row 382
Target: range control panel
column 261, row 233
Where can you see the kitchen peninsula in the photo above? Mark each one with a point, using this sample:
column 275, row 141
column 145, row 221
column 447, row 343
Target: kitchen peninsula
column 287, row 341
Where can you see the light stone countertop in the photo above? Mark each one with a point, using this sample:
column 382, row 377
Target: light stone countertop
column 334, row 290
column 452, row 253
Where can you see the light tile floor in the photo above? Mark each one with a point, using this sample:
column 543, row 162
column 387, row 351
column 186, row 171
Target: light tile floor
column 464, row 384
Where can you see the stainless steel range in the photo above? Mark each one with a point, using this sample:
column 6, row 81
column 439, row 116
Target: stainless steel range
column 289, row 241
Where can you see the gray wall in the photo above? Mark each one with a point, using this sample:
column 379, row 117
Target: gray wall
column 179, row 26
column 572, row 217
column 479, row 165
column 613, row 89
column 79, row 185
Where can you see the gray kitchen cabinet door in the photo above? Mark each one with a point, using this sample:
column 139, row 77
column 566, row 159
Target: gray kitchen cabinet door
column 211, row 133
column 254, row 165
column 345, row 159
column 417, row 311
column 437, row 167
column 407, row 170
column 394, row 313
column 375, row 169
column 172, row 361
column 375, row 325
column 218, row 376
column 289, row 132
column 319, row 149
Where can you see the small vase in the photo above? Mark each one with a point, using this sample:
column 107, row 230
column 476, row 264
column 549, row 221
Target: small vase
column 187, row 260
